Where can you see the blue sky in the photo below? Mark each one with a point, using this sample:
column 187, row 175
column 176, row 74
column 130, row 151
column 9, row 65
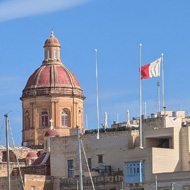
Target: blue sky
column 115, row 28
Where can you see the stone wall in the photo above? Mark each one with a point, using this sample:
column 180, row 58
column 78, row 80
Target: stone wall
column 3, row 168
column 15, row 183
column 111, row 145
column 35, row 170
column 31, row 182
column 38, row 182
column 100, row 183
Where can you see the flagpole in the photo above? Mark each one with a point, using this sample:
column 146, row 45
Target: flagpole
column 97, row 99
column 140, row 106
column 145, row 109
column 163, row 105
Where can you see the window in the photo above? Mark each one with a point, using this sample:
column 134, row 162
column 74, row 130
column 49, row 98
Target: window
column 134, row 172
column 49, row 54
column 100, row 158
column 27, row 120
column 55, row 54
column 44, row 119
column 64, row 118
column 70, row 168
column 46, row 54
column 90, row 163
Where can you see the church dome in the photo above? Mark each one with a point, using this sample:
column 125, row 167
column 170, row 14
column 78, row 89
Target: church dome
column 32, row 155
column 52, row 77
column 51, row 133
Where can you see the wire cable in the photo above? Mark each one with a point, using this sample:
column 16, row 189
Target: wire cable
column 87, row 165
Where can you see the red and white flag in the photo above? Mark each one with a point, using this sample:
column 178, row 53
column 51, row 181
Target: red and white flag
column 151, row 70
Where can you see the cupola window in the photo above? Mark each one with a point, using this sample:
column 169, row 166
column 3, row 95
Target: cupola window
column 49, row 54
column 44, row 119
column 55, row 54
column 64, row 118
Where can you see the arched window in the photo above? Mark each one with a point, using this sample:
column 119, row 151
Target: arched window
column 44, row 119
column 27, row 120
column 64, row 118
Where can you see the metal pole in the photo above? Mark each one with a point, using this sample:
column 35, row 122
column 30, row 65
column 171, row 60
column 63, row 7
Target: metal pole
column 140, row 123
column 158, row 85
column 122, row 185
column 145, row 109
column 156, row 182
column 172, row 186
column 7, row 146
column 97, row 100
column 80, row 162
column 87, row 166
column 163, row 105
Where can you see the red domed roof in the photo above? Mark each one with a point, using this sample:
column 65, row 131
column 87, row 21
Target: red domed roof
column 52, row 76
column 43, row 159
column 51, row 133
column 32, row 155
column 52, row 41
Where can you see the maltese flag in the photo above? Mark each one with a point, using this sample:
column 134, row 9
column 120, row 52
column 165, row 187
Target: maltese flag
column 151, row 70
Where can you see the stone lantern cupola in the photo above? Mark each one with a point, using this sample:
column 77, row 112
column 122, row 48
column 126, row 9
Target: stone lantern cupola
column 52, row 50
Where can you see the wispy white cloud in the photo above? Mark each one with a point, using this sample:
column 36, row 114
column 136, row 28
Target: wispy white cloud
column 12, row 9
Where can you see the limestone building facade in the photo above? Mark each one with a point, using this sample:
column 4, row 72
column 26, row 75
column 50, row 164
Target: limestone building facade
column 51, row 92
column 164, row 160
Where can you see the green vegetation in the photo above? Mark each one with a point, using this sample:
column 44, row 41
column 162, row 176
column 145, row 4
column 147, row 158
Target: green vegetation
column 102, row 130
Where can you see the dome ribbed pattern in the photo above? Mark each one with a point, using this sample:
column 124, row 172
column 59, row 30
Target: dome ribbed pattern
column 52, row 79
column 52, row 76
column 52, row 41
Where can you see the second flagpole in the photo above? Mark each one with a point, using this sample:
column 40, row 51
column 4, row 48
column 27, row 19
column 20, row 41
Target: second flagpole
column 140, row 104
column 163, row 104
column 98, row 133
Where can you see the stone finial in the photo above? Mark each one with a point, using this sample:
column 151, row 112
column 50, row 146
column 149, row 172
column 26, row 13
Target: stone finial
column 51, row 121
column 52, row 32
